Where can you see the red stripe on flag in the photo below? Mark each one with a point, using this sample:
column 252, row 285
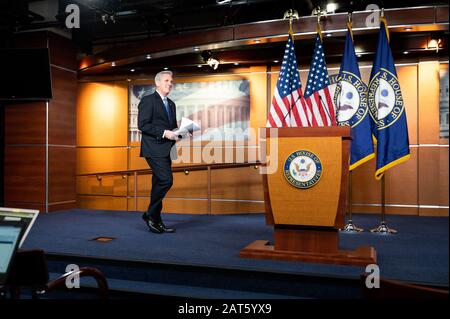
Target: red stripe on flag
column 310, row 106
column 298, row 121
column 321, row 106
column 287, row 103
column 278, row 111
column 272, row 121
column 306, row 111
column 330, row 106
column 300, row 103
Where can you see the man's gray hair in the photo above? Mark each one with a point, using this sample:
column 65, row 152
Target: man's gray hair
column 159, row 75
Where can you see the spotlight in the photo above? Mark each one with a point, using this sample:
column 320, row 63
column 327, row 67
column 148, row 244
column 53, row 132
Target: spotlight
column 331, row 7
column 108, row 17
column 213, row 63
column 434, row 43
column 207, row 57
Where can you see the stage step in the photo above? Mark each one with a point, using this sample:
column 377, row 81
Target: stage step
column 202, row 281
column 139, row 289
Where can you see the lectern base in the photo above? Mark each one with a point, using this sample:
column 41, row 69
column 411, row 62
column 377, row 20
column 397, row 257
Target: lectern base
column 261, row 249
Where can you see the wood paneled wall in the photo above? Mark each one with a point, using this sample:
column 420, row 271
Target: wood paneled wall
column 102, row 140
column 417, row 187
column 40, row 153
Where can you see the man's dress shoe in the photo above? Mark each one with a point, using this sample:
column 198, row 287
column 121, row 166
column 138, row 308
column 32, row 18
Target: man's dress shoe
column 166, row 229
column 152, row 226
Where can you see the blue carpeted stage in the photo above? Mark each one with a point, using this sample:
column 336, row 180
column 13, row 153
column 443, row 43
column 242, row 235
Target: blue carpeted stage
column 202, row 258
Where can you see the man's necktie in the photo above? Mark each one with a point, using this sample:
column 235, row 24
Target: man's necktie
column 167, row 107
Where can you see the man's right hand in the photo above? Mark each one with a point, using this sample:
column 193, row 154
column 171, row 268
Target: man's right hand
column 170, row 135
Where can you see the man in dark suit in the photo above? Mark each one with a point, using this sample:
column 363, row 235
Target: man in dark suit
column 156, row 120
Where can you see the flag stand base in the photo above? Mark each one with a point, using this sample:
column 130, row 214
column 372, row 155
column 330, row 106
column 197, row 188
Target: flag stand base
column 383, row 229
column 351, row 228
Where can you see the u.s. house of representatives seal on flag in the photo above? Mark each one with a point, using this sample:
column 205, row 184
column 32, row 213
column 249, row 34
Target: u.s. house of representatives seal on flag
column 351, row 97
column 303, row 169
column 385, row 99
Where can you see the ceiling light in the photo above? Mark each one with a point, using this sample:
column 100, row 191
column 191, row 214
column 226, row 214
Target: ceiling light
column 199, row 66
column 220, row 2
column 196, row 49
column 236, row 63
column 166, row 68
column 213, row 63
column 108, row 17
column 105, row 18
column 113, row 64
column 276, row 61
column 331, row 7
column 405, row 52
column 359, row 55
column 132, row 70
column 257, row 41
column 434, row 43
column 328, row 35
column 148, row 56
column 408, row 29
column 208, row 58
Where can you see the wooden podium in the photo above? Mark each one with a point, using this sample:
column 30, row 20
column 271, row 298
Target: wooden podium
column 306, row 197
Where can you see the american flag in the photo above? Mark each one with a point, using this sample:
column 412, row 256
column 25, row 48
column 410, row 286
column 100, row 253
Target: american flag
column 288, row 107
column 317, row 93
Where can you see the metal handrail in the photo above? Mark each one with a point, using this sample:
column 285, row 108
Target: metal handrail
column 180, row 168
column 99, row 277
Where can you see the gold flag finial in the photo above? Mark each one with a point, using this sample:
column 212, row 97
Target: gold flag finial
column 319, row 15
column 290, row 14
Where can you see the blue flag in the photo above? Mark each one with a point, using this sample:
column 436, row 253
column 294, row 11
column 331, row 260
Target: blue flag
column 387, row 108
column 351, row 104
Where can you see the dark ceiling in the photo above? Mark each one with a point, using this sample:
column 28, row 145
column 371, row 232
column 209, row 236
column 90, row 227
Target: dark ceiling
column 117, row 21
column 110, row 23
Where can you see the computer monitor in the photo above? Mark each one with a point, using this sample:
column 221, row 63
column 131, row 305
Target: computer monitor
column 15, row 224
column 9, row 242
column 25, row 217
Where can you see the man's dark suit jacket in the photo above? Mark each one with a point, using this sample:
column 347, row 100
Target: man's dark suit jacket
column 152, row 121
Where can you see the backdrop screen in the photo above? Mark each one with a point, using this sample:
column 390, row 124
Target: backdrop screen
column 221, row 108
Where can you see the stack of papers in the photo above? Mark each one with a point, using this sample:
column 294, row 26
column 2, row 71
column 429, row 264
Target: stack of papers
column 186, row 127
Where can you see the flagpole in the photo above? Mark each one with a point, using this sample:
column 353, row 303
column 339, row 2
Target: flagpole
column 383, row 228
column 350, row 227
column 290, row 14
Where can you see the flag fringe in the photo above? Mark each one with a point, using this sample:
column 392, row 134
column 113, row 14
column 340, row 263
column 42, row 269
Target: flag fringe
column 362, row 161
column 380, row 172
